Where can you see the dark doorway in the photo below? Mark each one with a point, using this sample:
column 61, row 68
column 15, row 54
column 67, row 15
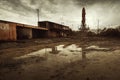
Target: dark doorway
column 24, row 33
column 37, row 33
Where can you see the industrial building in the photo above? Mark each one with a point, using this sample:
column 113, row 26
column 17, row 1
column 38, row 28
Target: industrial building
column 16, row 31
column 55, row 29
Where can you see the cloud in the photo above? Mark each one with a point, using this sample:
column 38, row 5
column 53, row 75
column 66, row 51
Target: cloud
column 92, row 2
column 67, row 11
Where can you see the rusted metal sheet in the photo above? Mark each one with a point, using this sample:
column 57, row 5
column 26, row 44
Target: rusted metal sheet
column 13, row 34
column 7, row 31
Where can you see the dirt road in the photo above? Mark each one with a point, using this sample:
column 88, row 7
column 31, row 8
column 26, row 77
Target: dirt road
column 60, row 59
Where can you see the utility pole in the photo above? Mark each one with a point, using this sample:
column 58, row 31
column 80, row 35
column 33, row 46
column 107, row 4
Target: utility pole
column 38, row 14
column 98, row 26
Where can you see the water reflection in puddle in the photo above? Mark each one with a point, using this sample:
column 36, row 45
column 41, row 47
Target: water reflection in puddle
column 60, row 53
column 37, row 53
column 93, row 47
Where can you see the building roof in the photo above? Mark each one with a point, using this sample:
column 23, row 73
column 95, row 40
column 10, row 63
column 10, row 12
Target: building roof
column 25, row 25
column 54, row 23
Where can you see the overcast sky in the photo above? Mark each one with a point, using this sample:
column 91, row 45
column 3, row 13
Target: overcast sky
column 67, row 12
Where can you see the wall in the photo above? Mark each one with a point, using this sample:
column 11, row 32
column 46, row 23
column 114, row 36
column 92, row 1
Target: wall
column 37, row 33
column 24, row 33
column 7, row 31
column 55, row 30
column 52, row 34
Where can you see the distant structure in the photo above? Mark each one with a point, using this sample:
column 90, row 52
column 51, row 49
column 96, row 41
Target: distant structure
column 83, row 22
column 98, row 28
column 55, row 29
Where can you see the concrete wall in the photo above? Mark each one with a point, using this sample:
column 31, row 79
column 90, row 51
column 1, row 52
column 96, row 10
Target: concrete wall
column 24, row 33
column 7, row 31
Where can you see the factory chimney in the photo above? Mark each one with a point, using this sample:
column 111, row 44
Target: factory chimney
column 83, row 18
column 83, row 22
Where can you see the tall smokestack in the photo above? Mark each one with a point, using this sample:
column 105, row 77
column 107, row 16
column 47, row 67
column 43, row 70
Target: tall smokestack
column 83, row 18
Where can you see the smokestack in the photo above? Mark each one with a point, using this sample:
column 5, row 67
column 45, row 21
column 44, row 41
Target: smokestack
column 83, row 18
column 83, row 22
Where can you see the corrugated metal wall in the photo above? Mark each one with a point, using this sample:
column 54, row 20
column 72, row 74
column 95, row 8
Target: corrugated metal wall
column 7, row 31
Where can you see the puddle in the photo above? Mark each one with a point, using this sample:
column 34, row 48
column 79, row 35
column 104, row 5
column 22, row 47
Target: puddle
column 60, row 47
column 39, row 53
column 61, row 54
column 93, row 47
column 57, row 53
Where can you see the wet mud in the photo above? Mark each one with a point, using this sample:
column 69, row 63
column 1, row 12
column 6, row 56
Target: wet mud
column 65, row 60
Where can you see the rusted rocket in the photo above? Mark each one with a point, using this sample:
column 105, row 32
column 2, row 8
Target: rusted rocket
column 83, row 25
column 83, row 17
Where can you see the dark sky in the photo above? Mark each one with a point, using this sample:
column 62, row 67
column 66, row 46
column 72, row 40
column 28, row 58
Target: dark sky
column 67, row 12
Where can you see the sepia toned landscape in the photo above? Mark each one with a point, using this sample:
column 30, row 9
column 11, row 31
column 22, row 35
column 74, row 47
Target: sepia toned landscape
column 49, row 40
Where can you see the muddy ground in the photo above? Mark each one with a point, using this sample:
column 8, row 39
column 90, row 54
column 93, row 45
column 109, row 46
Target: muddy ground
column 60, row 59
